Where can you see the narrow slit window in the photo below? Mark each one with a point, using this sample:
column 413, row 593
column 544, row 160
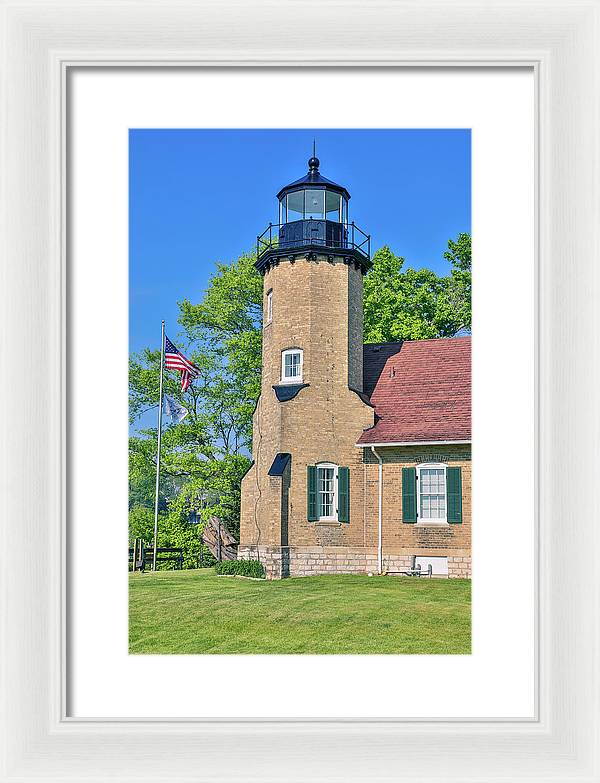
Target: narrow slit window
column 269, row 306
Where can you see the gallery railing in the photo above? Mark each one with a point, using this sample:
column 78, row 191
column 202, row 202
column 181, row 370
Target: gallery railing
column 327, row 234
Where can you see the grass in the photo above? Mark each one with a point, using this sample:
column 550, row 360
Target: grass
column 197, row 612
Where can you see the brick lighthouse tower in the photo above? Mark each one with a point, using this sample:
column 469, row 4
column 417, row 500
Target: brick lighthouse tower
column 302, row 499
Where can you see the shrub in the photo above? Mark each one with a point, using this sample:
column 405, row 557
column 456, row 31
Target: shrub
column 208, row 560
column 252, row 568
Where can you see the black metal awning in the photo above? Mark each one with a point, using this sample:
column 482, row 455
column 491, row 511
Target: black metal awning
column 279, row 464
column 287, row 391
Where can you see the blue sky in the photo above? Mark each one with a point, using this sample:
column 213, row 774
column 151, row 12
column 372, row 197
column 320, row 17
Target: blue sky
column 200, row 196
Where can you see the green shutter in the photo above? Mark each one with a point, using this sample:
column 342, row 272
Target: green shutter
column 409, row 495
column 311, row 492
column 343, row 495
column 454, row 495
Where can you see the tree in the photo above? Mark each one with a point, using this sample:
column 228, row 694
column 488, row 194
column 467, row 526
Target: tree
column 459, row 285
column 204, row 457
column 410, row 304
column 141, row 524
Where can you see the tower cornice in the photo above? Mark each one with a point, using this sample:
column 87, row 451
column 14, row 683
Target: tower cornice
column 275, row 256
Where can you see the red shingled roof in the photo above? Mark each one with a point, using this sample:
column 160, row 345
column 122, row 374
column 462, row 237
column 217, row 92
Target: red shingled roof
column 421, row 390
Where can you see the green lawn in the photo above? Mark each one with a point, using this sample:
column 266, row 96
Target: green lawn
column 195, row 612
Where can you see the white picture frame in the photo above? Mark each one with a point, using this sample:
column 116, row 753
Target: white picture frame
column 41, row 42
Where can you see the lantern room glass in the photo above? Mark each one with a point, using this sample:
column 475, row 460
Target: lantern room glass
column 313, row 204
column 295, row 206
column 333, row 206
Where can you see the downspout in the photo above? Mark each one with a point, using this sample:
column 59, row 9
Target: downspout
column 379, row 513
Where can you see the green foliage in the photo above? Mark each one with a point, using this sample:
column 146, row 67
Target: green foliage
column 204, row 457
column 228, row 322
column 459, row 252
column 252, row 568
column 459, row 286
column 411, row 304
column 142, row 475
column 172, row 532
column 141, row 524
column 208, row 559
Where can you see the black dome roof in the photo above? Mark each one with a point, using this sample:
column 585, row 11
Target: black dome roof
column 314, row 179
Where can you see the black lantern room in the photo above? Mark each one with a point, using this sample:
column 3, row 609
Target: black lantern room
column 313, row 217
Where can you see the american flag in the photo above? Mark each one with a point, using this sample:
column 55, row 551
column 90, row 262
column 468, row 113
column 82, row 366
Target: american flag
column 175, row 360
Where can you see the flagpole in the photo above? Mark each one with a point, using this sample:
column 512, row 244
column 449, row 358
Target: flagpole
column 160, row 407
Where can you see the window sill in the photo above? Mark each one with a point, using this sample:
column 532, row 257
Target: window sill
column 328, row 523
column 433, row 524
column 290, row 382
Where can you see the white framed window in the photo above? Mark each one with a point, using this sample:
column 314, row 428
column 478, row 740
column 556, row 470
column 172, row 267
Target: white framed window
column 291, row 365
column 431, row 488
column 269, row 314
column 327, row 481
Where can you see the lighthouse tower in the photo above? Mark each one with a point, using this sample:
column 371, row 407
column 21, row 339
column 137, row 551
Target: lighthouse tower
column 303, row 495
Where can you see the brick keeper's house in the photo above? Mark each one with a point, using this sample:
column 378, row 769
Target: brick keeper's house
column 361, row 453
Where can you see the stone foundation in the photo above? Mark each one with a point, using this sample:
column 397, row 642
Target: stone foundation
column 281, row 562
column 459, row 567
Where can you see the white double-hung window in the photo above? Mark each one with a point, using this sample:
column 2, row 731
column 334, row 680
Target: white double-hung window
column 432, row 493
column 291, row 366
column 327, row 491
